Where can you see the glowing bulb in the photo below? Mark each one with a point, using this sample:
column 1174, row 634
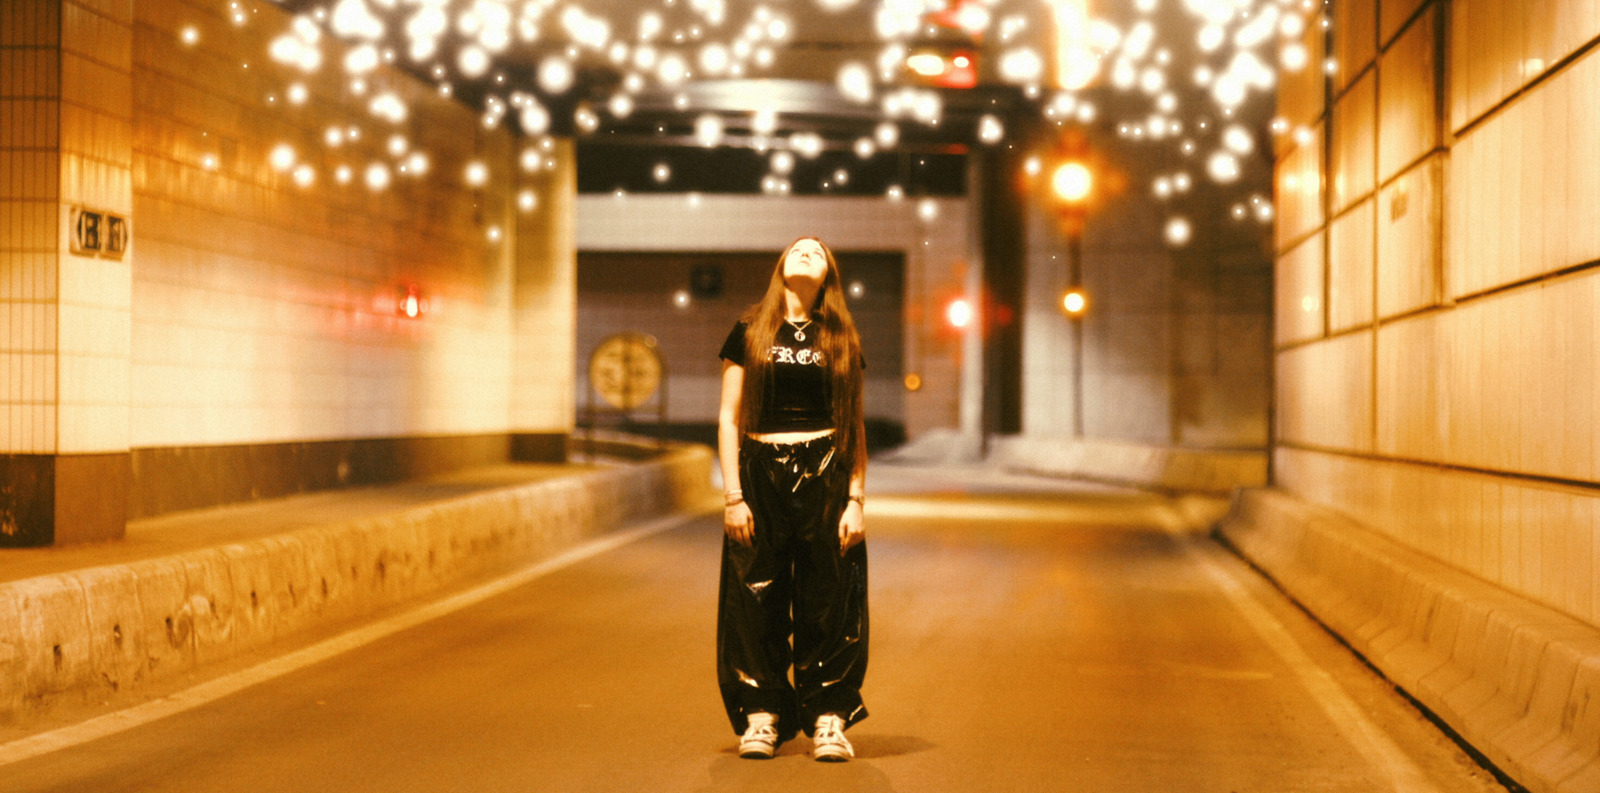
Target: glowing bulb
column 1178, row 232
column 477, row 174
column 1074, row 302
column 534, row 118
column 473, row 61
column 855, row 83
column 926, row 64
column 282, row 157
column 708, row 130
column 555, row 74
column 586, row 119
column 1238, row 140
column 1223, row 167
column 959, row 313
column 377, row 176
column 1072, row 182
column 764, row 122
column 990, row 130
column 886, row 134
column 621, row 105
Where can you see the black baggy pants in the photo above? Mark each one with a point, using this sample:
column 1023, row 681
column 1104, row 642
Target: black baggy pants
column 793, row 583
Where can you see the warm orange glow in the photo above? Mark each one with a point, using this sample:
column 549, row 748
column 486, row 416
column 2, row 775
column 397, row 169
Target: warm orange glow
column 1072, row 182
column 1074, row 302
column 411, row 304
column 913, row 382
column 959, row 313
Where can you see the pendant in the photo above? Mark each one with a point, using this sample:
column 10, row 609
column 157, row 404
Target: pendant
column 799, row 335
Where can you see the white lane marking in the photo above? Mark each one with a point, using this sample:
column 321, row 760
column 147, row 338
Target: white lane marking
column 1367, row 738
column 211, row 691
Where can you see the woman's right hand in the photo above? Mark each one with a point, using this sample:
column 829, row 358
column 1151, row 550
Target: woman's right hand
column 739, row 524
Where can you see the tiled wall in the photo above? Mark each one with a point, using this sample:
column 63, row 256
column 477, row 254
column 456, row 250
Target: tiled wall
column 266, row 310
column 64, row 126
column 934, row 251
column 1176, row 349
column 1450, row 398
column 96, row 171
column 30, row 193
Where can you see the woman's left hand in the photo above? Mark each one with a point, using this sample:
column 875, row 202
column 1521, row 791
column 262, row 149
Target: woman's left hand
column 852, row 527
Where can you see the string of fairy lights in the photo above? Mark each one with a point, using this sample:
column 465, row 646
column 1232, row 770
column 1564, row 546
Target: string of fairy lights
column 1061, row 57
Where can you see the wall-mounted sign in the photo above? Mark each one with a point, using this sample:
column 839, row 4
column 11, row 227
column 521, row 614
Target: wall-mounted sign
column 99, row 233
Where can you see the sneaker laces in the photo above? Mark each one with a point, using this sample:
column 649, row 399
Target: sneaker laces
column 830, row 731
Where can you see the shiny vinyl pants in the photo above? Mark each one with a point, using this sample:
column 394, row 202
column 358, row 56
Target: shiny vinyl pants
column 793, row 583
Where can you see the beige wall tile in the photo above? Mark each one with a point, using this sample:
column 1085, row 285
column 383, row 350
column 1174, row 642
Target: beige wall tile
column 1353, row 167
column 1408, row 124
column 1393, row 15
column 1409, row 221
column 1355, row 37
column 86, row 429
column 1298, row 291
column 1299, row 184
column 1302, row 95
column 1413, row 408
column 30, row 23
column 1351, row 244
column 87, row 32
column 1481, row 56
column 1325, row 393
column 30, row 123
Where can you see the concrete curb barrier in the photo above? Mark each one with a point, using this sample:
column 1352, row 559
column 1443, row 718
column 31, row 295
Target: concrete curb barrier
column 83, row 635
column 1518, row 681
column 1166, row 468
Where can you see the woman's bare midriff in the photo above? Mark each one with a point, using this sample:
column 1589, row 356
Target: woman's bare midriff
column 789, row 437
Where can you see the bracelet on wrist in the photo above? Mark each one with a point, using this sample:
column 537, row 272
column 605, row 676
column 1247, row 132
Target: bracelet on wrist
column 859, row 499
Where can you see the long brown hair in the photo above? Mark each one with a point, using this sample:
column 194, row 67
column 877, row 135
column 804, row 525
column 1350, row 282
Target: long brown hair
column 837, row 340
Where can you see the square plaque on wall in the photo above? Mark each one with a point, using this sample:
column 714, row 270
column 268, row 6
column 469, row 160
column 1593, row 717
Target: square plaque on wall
column 99, row 233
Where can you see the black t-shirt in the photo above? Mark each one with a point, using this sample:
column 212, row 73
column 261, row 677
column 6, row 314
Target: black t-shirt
column 797, row 400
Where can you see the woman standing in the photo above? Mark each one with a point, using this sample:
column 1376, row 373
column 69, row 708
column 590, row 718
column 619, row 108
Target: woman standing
column 792, row 448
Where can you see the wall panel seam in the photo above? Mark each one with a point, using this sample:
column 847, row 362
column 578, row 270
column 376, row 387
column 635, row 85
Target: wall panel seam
column 1530, row 281
column 1555, row 69
column 1516, row 476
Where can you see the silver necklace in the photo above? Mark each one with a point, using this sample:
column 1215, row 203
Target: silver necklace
column 799, row 330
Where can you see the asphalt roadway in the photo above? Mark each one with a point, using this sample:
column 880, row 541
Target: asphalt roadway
column 1026, row 636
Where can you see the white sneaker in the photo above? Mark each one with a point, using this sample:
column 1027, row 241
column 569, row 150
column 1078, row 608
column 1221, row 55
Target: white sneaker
column 828, row 743
column 760, row 739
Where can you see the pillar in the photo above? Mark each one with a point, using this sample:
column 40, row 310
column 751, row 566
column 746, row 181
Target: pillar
column 66, row 112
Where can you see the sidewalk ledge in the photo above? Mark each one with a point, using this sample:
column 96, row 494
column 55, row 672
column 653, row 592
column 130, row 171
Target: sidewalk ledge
column 1518, row 681
column 78, row 637
column 1164, row 468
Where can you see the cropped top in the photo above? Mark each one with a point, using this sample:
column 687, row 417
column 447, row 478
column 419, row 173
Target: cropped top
column 798, row 398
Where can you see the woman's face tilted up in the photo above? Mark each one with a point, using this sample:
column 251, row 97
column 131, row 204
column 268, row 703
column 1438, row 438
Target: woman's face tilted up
column 805, row 265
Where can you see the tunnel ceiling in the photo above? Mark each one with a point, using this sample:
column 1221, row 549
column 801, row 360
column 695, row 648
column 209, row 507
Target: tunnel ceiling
column 821, row 96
